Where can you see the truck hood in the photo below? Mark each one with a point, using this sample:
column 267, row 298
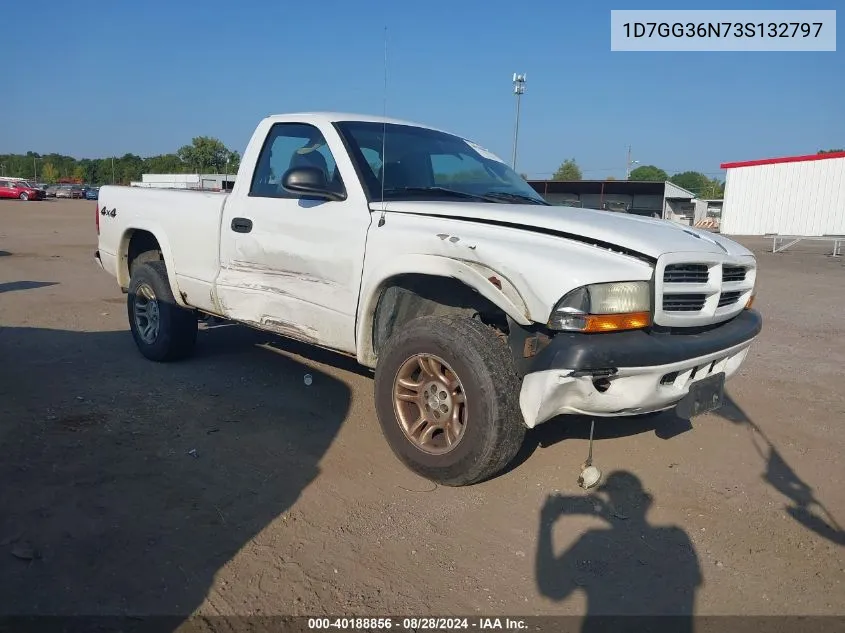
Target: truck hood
column 635, row 234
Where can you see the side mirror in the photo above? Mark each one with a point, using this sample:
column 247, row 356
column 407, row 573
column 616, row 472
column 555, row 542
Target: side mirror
column 310, row 181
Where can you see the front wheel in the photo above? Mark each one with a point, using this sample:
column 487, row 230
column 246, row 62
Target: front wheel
column 24, row 196
column 163, row 331
column 447, row 398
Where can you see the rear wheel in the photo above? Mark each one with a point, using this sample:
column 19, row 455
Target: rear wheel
column 447, row 400
column 144, row 258
column 163, row 331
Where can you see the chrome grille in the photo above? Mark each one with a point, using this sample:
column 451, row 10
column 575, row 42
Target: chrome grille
column 733, row 273
column 683, row 302
column 698, row 289
column 686, row 274
column 729, row 297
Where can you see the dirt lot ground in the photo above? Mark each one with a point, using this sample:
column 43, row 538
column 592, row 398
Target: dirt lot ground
column 226, row 485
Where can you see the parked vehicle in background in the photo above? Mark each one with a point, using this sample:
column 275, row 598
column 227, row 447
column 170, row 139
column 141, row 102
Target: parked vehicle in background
column 483, row 310
column 40, row 187
column 92, row 193
column 25, row 182
column 70, row 191
column 51, row 190
column 19, row 189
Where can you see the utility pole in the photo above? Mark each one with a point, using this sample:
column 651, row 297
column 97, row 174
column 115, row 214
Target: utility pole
column 518, row 90
column 628, row 163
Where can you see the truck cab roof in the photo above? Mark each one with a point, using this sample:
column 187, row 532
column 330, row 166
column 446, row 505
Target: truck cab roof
column 334, row 117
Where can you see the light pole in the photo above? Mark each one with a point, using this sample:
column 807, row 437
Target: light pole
column 112, row 170
column 628, row 164
column 35, row 169
column 518, row 90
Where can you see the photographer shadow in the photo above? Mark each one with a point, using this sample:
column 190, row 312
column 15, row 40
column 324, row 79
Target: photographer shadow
column 629, row 568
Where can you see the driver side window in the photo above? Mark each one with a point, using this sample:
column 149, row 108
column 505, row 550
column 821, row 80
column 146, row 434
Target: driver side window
column 290, row 145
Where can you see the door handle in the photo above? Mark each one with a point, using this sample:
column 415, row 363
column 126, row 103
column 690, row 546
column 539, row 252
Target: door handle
column 241, row 225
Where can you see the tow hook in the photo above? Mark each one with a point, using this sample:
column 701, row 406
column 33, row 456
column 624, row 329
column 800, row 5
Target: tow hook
column 590, row 475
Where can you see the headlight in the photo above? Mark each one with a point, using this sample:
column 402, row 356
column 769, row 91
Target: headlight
column 609, row 307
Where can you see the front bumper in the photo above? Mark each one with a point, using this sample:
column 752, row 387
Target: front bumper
column 628, row 373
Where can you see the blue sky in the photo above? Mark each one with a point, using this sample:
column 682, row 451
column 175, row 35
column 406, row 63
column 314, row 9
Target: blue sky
column 114, row 77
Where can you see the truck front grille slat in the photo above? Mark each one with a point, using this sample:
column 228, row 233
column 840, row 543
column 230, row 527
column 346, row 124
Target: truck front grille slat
column 728, row 298
column 686, row 274
column 683, row 302
column 733, row 273
column 702, row 290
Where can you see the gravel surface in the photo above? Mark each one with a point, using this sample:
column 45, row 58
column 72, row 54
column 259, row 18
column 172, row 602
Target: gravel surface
column 226, row 485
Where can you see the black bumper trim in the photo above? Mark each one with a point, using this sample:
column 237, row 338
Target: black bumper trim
column 586, row 352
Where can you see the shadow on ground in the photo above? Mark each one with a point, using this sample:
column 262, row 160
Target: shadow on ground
column 628, row 567
column 25, row 285
column 804, row 507
column 128, row 484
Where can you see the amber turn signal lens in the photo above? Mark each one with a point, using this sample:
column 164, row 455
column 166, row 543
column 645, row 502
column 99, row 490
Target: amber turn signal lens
column 750, row 302
column 615, row 322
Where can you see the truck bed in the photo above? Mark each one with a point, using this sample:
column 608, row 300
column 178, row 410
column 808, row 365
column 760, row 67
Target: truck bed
column 188, row 220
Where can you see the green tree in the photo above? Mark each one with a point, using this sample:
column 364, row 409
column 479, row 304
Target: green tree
column 234, row 162
column 128, row 167
column 164, row 164
column 49, row 173
column 649, row 172
column 123, row 170
column 831, row 151
column 568, row 170
column 699, row 184
column 205, row 153
column 715, row 189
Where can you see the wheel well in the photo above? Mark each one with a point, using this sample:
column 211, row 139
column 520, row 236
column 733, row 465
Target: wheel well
column 139, row 243
column 410, row 296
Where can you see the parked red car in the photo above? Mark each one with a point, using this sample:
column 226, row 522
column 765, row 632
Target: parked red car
column 17, row 189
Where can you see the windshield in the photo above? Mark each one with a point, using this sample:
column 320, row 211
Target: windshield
column 427, row 164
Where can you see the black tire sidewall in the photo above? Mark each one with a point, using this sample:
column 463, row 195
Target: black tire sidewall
column 154, row 275
column 484, row 401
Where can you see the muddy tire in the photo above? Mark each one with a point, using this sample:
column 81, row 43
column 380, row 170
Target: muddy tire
column 447, row 399
column 144, row 258
column 163, row 331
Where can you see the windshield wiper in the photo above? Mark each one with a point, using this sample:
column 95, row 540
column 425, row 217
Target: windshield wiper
column 507, row 195
column 441, row 190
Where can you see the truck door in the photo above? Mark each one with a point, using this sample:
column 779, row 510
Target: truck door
column 288, row 263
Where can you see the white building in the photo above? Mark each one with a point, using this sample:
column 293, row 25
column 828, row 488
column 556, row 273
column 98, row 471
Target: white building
column 213, row 182
column 802, row 196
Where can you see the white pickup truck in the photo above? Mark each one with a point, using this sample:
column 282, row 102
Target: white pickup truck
column 483, row 310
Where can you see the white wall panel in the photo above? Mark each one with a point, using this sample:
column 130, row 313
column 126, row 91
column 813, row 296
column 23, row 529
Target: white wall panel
column 790, row 198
